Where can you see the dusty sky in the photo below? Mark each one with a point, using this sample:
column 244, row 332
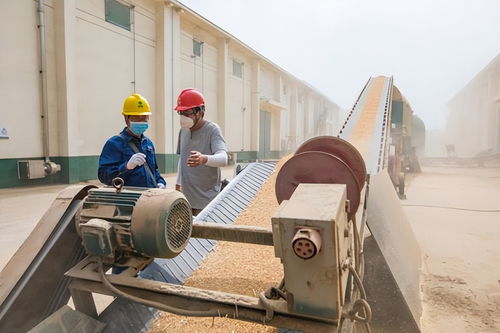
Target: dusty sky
column 433, row 48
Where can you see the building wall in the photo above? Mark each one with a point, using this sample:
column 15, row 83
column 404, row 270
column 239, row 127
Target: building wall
column 200, row 72
column 92, row 65
column 475, row 110
column 20, row 83
column 238, row 95
column 105, row 59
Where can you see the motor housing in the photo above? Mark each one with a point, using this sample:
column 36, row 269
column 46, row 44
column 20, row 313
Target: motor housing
column 134, row 222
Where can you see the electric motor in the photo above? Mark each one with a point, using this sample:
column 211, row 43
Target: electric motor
column 134, row 222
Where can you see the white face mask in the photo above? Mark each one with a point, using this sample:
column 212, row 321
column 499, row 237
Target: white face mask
column 186, row 122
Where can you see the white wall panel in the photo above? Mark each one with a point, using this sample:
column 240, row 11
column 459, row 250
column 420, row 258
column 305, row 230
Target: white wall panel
column 200, row 72
column 105, row 55
column 474, row 110
column 19, row 79
column 266, row 83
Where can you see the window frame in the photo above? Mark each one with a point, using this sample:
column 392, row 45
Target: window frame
column 241, row 68
column 108, row 17
column 199, row 44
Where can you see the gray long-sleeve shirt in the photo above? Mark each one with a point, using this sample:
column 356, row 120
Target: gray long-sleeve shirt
column 202, row 183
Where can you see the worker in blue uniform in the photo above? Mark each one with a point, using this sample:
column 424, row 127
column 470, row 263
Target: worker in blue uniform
column 131, row 155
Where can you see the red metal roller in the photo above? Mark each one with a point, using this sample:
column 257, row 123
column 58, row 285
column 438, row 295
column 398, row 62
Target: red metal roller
column 317, row 168
column 341, row 149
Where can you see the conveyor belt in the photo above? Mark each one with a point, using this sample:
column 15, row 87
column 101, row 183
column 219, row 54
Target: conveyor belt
column 123, row 316
column 392, row 255
column 365, row 126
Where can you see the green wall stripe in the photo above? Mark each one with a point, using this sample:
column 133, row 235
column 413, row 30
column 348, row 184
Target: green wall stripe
column 246, row 156
column 9, row 176
column 75, row 169
column 167, row 163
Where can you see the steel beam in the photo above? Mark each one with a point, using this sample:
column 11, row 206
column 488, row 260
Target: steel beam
column 85, row 279
column 232, row 233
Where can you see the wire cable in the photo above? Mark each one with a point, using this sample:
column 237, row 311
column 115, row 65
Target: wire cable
column 358, row 282
column 456, row 208
column 160, row 306
column 357, row 244
column 361, row 304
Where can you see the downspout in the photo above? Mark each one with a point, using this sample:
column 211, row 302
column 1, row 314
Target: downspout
column 243, row 107
column 133, row 47
column 49, row 166
column 172, row 53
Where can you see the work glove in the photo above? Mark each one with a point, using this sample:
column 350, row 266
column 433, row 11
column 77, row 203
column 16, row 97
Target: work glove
column 137, row 159
column 160, row 185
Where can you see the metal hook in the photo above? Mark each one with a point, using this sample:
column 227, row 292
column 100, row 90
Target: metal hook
column 118, row 184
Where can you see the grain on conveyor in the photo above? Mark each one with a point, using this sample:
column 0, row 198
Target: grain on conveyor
column 246, row 269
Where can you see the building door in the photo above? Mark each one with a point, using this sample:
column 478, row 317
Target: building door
column 265, row 135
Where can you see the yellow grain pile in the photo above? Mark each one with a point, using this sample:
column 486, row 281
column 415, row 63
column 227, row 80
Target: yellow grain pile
column 235, row 268
column 363, row 130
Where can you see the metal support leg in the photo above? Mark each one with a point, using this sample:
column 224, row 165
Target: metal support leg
column 84, row 302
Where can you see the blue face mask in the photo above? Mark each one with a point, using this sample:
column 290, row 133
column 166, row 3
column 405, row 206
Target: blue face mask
column 138, row 127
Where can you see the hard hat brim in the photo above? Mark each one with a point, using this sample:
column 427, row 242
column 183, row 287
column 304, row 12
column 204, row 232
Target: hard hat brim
column 147, row 113
column 185, row 108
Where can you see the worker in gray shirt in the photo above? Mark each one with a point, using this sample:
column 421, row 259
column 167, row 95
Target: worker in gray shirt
column 202, row 151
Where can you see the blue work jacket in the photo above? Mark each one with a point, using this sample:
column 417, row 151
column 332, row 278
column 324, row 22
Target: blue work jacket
column 115, row 155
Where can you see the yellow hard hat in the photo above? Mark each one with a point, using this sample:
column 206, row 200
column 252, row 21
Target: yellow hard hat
column 136, row 105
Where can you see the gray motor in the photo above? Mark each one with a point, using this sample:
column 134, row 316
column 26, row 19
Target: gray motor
column 134, row 222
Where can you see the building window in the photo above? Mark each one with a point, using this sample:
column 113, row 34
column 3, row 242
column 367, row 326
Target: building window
column 117, row 13
column 237, row 68
column 197, row 48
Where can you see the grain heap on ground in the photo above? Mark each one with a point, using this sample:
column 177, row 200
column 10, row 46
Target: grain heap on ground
column 238, row 268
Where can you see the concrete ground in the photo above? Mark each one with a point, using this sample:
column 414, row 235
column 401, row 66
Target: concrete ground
column 455, row 214
column 453, row 210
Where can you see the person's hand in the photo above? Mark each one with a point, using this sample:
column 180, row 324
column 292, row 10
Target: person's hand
column 178, row 187
column 196, row 158
column 137, row 159
column 160, row 185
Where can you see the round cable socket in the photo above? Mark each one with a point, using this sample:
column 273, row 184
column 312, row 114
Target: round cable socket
column 306, row 243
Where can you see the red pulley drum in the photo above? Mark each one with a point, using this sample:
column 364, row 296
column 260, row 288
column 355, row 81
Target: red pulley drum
column 318, row 168
column 341, row 149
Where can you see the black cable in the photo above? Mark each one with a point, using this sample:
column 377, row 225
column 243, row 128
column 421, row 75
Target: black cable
column 360, row 304
column 357, row 245
column 456, row 208
column 160, row 306
column 358, row 282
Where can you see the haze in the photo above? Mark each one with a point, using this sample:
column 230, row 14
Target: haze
column 433, row 48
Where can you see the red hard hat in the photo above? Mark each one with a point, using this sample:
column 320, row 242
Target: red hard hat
column 188, row 99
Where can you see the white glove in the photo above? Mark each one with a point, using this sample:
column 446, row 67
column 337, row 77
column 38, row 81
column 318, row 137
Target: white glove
column 160, row 185
column 136, row 160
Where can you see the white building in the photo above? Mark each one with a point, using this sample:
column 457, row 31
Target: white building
column 99, row 51
column 473, row 123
